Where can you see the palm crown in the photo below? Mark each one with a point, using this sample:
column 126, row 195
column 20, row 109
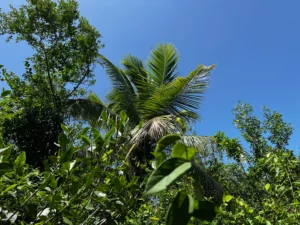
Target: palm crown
column 151, row 89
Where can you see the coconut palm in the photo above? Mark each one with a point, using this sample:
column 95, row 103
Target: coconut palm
column 151, row 93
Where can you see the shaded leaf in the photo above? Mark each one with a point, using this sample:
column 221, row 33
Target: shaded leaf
column 180, row 210
column 204, row 210
column 168, row 172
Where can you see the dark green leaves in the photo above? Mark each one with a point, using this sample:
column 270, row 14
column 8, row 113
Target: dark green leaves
column 184, row 207
column 204, row 210
column 180, row 210
column 166, row 141
column 169, row 171
column 5, row 167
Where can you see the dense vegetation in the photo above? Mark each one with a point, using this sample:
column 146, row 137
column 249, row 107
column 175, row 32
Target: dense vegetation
column 67, row 157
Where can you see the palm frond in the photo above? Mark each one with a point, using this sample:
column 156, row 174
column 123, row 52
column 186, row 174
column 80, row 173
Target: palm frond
column 123, row 96
column 163, row 63
column 184, row 94
column 139, row 76
column 89, row 109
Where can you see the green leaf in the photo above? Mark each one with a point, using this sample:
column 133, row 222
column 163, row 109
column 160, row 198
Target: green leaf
column 181, row 151
column 178, row 150
column 86, row 140
column 63, row 141
column 180, row 210
column 189, row 154
column 204, row 210
column 47, row 180
column 91, row 176
column 67, row 155
column 160, row 158
column 165, row 141
column 9, row 188
column 65, row 128
column 67, row 221
column 227, row 198
column 109, row 134
column 267, row 187
column 20, row 160
column 4, row 149
column 5, row 93
column 116, row 184
column 168, row 172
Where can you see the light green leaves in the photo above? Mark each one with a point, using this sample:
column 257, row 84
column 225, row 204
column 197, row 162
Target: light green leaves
column 181, row 151
column 169, row 171
column 227, row 198
column 20, row 160
column 267, row 187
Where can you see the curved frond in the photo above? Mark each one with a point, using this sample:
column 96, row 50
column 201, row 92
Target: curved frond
column 139, row 76
column 88, row 109
column 184, row 94
column 123, row 96
column 163, row 63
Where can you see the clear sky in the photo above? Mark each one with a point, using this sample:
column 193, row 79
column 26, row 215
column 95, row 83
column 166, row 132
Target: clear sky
column 255, row 44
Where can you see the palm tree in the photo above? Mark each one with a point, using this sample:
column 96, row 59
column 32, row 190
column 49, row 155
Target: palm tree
column 156, row 100
column 151, row 93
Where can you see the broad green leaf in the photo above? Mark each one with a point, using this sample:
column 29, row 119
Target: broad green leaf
column 86, row 140
column 62, row 141
column 178, row 150
column 67, row 155
column 204, row 210
column 181, row 151
column 91, row 176
column 116, row 184
column 189, row 154
column 267, row 187
column 5, row 93
column 160, row 157
column 47, row 180
column 20, row 160
column 66, row 166
column 165, row 141
column 65, row 128
column 9, row 188
column 109, row 134
column 67, row 221
column 99, row 142
column 227, row 198
column 180, row 210
column 168, row 172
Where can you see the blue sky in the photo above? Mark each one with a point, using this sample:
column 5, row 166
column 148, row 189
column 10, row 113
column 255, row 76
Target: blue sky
column 255, row 45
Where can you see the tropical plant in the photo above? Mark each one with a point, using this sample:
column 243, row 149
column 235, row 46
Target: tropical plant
column 156, row 100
